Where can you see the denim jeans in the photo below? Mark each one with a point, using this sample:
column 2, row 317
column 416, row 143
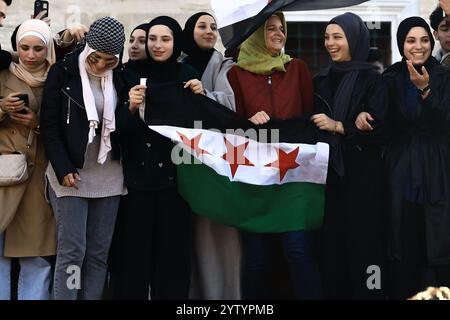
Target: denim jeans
column 298, row 252
column 84, row 229
column 5, row 273
column 34, row 277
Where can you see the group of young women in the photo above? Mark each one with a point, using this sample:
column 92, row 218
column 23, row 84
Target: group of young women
column 111, row 182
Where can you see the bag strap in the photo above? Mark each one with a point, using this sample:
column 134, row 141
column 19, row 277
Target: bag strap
column 29, row 142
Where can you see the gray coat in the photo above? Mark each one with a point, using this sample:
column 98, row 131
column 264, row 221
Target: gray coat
column 215, row 80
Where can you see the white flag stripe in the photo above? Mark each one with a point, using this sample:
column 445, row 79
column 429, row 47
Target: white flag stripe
column 312, row 160
column 231, row 11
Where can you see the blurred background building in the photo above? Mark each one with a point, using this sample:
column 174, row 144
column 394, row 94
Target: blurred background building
column 305, row 29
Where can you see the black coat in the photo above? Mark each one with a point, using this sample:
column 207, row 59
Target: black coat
column 5, row 59
column 63, row 119
column 369, row 96
column 352, row 233
column 422, row 144
column 146, row 155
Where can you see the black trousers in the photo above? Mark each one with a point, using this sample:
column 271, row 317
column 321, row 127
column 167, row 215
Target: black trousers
column 151, row 246
column 411, row 274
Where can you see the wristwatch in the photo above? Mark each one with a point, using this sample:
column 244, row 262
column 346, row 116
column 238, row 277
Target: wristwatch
column 424, row 90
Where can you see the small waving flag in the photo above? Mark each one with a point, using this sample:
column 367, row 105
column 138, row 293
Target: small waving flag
column 238, row 19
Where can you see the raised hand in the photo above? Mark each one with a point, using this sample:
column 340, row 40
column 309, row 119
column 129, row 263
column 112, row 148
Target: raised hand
column 421, row 81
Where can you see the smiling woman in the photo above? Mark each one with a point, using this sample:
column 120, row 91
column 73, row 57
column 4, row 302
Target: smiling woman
column 152, row 238
column 336, row 43
column 160, row 43
column 350, row 114
column 416, row 162
column 216, row 255
column 417, row 46
column 268, row 84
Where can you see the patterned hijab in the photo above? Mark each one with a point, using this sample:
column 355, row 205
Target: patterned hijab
column 256, row 58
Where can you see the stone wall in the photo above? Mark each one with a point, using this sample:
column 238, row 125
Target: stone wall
column 129, row 12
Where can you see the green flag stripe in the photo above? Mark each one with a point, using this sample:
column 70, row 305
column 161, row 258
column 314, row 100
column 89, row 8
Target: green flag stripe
column 262, row 209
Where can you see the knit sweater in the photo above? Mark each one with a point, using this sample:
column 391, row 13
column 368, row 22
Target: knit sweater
column 97, row 180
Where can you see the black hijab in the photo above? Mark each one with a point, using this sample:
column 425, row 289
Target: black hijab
column 197, row 57
column 358, row 40
column 403, row 30
column 138, row 65
column 168, row 70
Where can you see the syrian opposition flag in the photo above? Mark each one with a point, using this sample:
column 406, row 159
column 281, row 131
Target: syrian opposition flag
column 238, row 19
column 257, row 178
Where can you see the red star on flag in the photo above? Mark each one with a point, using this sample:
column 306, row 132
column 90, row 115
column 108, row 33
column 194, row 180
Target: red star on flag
column 193, row 143
column 235, row 156
column 286, row 161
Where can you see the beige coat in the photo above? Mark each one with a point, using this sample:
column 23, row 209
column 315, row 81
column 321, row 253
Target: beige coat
column 32, row 232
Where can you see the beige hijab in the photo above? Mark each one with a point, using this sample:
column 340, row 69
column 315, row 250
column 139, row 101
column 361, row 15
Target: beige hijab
column 37, row 77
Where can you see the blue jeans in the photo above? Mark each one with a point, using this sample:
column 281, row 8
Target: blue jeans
column 258, row 264
column 34, row 277
column 84, row 229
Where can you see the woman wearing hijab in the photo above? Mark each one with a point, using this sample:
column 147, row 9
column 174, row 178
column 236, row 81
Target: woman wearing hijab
column 417, row 164
column 350, row 111
column 152, row 242
column 30, row 236
column 85, row 174
column 216, row 258
column 199, row 38
column 137, row 43
column 267, row 83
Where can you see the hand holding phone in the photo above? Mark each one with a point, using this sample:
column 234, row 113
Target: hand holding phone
column 24, row 98
column 40, row 6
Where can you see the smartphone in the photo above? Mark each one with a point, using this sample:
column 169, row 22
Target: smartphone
column 24, row 98
column 40, row 6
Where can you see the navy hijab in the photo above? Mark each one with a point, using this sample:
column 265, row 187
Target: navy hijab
column 358, row 39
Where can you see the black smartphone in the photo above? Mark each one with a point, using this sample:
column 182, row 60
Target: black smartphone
column 40, row 6
column 24, row 98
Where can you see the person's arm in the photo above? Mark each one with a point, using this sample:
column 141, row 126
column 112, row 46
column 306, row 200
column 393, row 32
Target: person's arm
column 5, row 59
column 307, row 89
column 222, row 92
column 375, row 109
column 50, row 118
column 71, row 35
column 445, row 5
column 127, row 120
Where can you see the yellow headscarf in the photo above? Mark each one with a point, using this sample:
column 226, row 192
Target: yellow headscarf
column 256, row 58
